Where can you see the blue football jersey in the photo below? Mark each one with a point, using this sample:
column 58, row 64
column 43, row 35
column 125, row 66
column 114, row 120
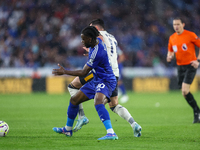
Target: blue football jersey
column 99, row 61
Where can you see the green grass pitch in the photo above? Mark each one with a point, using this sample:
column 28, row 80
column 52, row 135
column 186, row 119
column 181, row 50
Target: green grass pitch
column 166, row 121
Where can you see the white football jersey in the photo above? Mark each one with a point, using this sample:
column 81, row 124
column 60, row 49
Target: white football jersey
column 111, row 44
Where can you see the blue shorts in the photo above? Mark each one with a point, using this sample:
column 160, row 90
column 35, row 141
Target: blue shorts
column 90, row 89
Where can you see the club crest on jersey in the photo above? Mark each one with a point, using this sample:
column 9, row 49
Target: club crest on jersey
column 174, row 48
column 184, row 47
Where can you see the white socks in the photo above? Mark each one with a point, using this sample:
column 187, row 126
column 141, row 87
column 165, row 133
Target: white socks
column 123, row 112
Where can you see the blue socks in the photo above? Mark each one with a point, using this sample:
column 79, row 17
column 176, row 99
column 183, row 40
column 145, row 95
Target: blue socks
column 101, row 110
column 72, row 113
column 104, row 116
column 107, row 124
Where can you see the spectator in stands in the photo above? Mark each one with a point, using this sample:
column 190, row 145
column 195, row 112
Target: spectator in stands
column 28, row 27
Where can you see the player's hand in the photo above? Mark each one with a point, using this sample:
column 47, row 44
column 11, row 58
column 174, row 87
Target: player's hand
column 87, row 51
column 85, row 54
column 59, row 71
column 195, row 64
column 169, row 58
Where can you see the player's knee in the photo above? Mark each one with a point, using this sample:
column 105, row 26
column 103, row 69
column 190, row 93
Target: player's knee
column 73, row 100
column 105, row 101
column 116, row 108
column 78, row 98
column 113, row 101
column 76, row 83
column 98, row 101
column 112, row 104
column 185, row 92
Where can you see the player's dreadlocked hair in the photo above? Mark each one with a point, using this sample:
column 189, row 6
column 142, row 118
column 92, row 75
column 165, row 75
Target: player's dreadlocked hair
column 99, row 22
column 91, row 31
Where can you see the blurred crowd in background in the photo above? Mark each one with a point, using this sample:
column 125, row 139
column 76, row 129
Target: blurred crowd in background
column 42, row 33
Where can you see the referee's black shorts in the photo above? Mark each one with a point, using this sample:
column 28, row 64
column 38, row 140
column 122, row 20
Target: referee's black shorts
column 90, row 76
column 186, row 74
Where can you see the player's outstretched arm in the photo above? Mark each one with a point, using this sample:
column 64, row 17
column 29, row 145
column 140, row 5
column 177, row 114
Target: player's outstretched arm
column 61, row 71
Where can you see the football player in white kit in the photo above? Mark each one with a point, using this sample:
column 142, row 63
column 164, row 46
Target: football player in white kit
column 78, row 82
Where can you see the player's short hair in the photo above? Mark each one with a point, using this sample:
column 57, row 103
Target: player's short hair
column 90, row 31
column 179, row 18
column 98, row 22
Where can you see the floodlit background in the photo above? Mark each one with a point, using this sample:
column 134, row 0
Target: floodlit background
column 36, row 35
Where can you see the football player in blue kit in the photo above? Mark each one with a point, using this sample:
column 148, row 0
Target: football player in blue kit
column 99, row 89
column 78, row 82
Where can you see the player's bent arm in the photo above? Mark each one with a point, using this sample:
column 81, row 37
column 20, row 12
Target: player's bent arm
column 170, row 56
